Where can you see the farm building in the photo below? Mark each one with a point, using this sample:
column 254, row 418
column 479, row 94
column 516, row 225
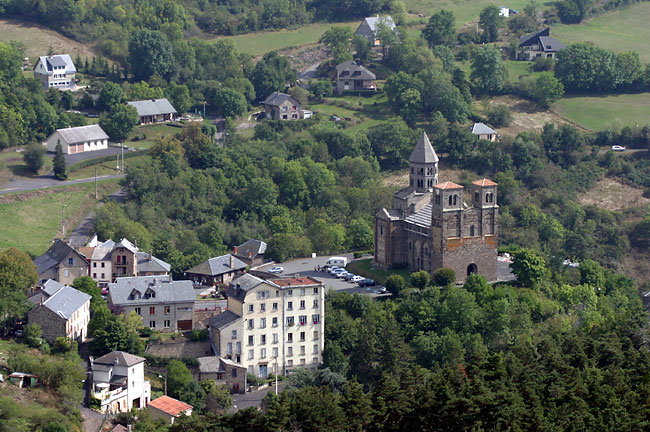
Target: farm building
column 154, row 110
column 78, row 139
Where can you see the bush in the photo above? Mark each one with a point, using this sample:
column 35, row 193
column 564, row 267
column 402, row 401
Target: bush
column 499, row 115
column 543, row 64
column 420, row 279
column 254, row 380
column 199, row 335
column 33, row 334
column 395, row 284
column 33, row 157
column 444, row 276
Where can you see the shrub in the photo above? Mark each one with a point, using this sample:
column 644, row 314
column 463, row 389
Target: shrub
column 199, row 335
column 395, row 284
column 444, row 276
column 420, row 279
column 499, row 115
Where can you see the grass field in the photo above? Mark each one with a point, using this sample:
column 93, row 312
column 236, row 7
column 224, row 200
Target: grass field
column 143, row 137
column 365, row 269
column 622, row 30
column 38, row 40
column 463, row 10
column 260, row 43
column 108, row 168
column 599, row 113
column 30, row 220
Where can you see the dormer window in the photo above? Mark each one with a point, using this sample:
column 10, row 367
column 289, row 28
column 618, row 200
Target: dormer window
column 135, row 295
column 150, row 294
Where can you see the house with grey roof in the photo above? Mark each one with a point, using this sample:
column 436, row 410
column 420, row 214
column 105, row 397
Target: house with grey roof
column 154, row 110
column 351, row 75
column 56, row 71
column 78, row 139
column 61, row 311
column 484, row 132
column 369, row 28
column 119, row 382
column 539, row 45
column 216, row 271
column 163, row 304
column 251, row 252
column 223, row 371
column 281, row 106
column 61, row 263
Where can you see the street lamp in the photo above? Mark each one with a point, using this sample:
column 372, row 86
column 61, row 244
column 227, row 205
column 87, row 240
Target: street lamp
column 63, row 206
column 165, row 378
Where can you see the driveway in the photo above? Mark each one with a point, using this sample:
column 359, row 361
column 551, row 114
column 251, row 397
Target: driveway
column 253, row 399
column 71, row 159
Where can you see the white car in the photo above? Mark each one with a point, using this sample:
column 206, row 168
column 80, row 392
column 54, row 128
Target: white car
column 618, row 148
column 342, row 275
column 276, row 269
column 356, row 279
column 333, row 269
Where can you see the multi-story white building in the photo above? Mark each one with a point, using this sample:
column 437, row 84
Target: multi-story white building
column 269, row 324
column 119, row 382
column 56, row 71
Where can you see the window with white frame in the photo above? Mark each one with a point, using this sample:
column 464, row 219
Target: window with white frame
column 262, row 307
column 263, row 339
column 275, row 322
column 275, row 338
column 303, row 319
column 275, row 352
column 263, row 353
column 251, row 354
column 262, row 322
column 315, row 319
column 315, row 304
column 290, row 306
column 234, row 334
column 251, row 340
column 289, row 351
column 251, row 308
column 290, row 321
column 251, row 324
column 167, row 323
column 302, row 304
column 315, row 348
column 275, row 306
column 229, row 349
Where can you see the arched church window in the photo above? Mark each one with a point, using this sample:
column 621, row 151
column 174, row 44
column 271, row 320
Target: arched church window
column 455, row 198
column 450, row 199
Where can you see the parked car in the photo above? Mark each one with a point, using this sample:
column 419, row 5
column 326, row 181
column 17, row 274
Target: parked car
column 356, row 279
column 333, row 269
column 348, row 276
column 19, row 332
column 276, row 270
column 337, row 271
column 382, row 290
column 342, row 275
column 367, row 282
column 618, row 148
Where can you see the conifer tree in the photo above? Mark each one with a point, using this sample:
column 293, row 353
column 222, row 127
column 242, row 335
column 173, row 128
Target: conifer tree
column 59, row 162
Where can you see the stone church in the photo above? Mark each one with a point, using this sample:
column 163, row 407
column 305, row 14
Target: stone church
column 432, row 226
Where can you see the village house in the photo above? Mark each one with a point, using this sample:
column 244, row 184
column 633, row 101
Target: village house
column 119, row 382
column 60, row 311
column 78, row 139
column 271, row 326
column 62, row 263
column 484, row 132
column 369, row 28
column 539, row 45
column 223, row 371
column 56, row 71
column 350, row 75
column 168, row 408
column 251, row 252
column 281, row 106
column 154, row 110
column 217, row 270
column 164, row 305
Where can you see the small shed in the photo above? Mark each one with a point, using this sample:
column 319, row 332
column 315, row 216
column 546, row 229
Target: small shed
column 22, row 379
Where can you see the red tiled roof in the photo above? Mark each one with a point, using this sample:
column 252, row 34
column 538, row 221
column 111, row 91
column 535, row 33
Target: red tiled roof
column 295, row 281
column 170, row 405
column 448, row 185
column 484, row 182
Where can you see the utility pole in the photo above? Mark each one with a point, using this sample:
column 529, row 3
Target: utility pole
column 122, row 159
column 203, row 109
column 63, row 206
column 117, row 167
column 96, row 196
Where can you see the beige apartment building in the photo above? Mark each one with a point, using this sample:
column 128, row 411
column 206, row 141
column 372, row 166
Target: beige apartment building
column 273, row 324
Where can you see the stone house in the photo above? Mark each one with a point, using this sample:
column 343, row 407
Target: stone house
column 273, row 325
column 169, row 408
column 251, row 252
column 369, row 28
column 154, row 110
column 217, row 270
column 119, row 382
column 431, row 226
column 61, row 263
column 223, row 371
column 56, row 71
column 163, row 304
column 350, row 75
column 484, row 132
column 60, row 311
column 78, row 139
column 281, row 106
column 539, row 45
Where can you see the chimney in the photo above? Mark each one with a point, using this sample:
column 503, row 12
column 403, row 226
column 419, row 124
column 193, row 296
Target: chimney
column 235, row 251
column 129, row 428
column 150, row 255
column 41, row 300
column 232, row 262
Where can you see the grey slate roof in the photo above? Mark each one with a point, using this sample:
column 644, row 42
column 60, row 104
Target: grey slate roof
column 57, row 60
column 152, row 107
column 140, row 290
column 214, row 364
column 277, row 98
column 66, row 301
column 421, row 217
column 423, row 151
column 551, row 44
column 352, row 71
column 255, row 247
column 127, row 245
column 373, row 22
column 149, row 263
column 217, row 266
column 223, row 319
column 123, row 359
column 51, row 287
column 482, row 129
column 101, row 251
column 240, row 286
column 82, row 134
column 53, row 256
column 531, row 39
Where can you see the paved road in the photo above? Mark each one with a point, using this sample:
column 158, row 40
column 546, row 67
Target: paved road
column 310, row 72
column 253, row 399
column 47, row 182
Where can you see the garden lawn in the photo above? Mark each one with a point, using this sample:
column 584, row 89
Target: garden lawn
column 621, row 30
column 364, row 268
column 465, row 10
column 108, row 168
column 603, row 112
column 31, row 220
column 260, row 43
column 143, row 137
